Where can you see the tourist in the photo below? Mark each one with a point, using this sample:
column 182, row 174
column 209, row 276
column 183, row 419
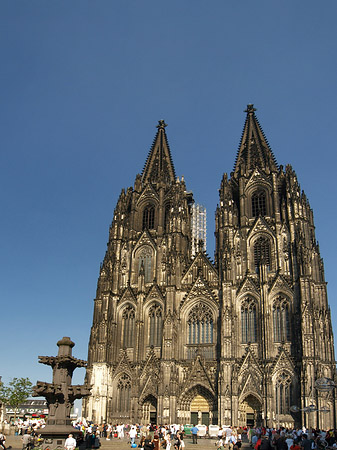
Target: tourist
column 306, row 443
column 182, row 443
column 26, row 441
column 141, row 443
column 133, row 434
column 167, row 440
column 3, row 441
column 70, row 443
column 194, row 431
column 289, row 440
column 148, row 444
column 120, row 431
column 220, row 444
column 156, row 442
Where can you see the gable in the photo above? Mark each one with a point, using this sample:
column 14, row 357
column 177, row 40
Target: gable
column 200, row 265
column 198, row 375
column 128, row 296
column 147, row 195
column 200, row 290
column 249, row 363
column 154, row 294
column 248, row 285
column 123, row 366
column 283, row 361
column 144, row 240
column 258, row 178
column 281, row 285
column 260, row 226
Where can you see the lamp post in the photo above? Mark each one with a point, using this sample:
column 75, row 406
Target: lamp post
column 322, row 384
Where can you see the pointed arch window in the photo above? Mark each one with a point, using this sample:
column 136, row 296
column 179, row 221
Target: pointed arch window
column 123, row 394
column 259, row 207
column 200, row 325
column 262, row 252
column 128, row 326
column 281, row 320
column 145, row 263
column 248, row 321
column 283, row 393
column 156, row 325
column 148, row 217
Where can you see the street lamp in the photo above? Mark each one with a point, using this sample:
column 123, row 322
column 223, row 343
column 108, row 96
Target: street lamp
column 322, row 384
column 325, row 384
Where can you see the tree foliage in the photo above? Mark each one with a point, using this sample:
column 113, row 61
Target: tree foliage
column 16, row 392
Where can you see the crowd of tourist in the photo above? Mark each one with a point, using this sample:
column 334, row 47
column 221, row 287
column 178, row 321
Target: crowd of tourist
column 291, row 439
column 172, row 437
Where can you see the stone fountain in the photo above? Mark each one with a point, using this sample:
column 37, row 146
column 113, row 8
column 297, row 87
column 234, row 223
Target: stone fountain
column 60, row 395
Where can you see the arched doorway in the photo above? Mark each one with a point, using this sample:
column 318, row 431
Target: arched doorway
column 250, row 411
column 149, row 410
column 198, row 406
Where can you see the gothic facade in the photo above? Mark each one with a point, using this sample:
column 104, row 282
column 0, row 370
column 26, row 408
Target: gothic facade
column 177, row 338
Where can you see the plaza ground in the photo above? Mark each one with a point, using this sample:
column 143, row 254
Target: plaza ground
column 123, row 444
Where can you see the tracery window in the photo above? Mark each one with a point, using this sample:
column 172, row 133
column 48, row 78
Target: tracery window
column 128, row 326
column 156, row 325
column 200, row 325
column 248, row 321
column 259, row 203
column 262, row 252
column 283, row 393
column 145, row 263
column 281, row 320
column 148, row 218
column 123, row 393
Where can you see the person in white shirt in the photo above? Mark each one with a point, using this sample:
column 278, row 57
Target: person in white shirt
column 70, row 443
column 133, row 434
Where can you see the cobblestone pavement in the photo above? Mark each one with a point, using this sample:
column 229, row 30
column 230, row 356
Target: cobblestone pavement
column 123, row 444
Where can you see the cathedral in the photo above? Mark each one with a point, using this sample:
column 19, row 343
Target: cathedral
column 244, row 340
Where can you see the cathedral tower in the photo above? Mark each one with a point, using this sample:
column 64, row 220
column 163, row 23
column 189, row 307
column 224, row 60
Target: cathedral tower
column 178, row 339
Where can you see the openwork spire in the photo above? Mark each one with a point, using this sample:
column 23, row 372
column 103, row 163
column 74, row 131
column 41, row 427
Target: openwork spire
column 254, row 150
column 159, row 165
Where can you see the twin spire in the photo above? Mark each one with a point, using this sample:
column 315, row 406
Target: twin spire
column 254, row 152
column 159, row 165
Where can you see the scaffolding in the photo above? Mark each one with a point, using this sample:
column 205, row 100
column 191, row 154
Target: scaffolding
column 199, row 228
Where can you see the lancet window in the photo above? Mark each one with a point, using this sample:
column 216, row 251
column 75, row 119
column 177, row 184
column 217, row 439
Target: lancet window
column 283, row 393
column 259, row 203
column 128, row 326
column 148, row 218
column 281, row 320
column 262, row 252
column 200, row 325
column 248, row 321
column 156, row 325
column 123, row 393
column 145, row 263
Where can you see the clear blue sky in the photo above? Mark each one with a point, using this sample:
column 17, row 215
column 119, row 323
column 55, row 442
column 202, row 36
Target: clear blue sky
column 83, row 84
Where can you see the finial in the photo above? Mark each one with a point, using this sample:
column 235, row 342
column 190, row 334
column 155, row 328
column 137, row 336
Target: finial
column 250, row 109
column 161, row 124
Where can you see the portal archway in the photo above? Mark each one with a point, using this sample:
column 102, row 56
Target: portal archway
column 149, row 409
column 250, row 411
column 198, row 406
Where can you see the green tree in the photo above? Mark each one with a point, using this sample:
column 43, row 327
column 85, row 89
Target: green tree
column 16, row 393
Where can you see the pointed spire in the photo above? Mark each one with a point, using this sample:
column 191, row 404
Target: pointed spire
column 254, row 150
column 159, row 165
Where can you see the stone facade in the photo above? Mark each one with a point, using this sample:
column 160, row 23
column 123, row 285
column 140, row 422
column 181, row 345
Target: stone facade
column 180, row 339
